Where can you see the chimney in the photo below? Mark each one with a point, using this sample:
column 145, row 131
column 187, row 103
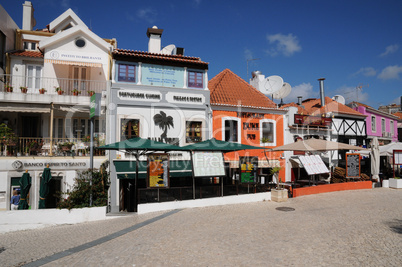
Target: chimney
column 154, row 44
column 322, row 96
column 299, row 100
column 28, row 20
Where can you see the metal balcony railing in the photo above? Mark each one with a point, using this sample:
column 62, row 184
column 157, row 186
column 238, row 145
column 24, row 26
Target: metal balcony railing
column 38, row 146
column 61, row 86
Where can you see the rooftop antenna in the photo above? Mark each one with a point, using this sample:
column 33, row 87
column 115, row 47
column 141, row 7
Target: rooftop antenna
column 248, row 60
column 359, row 88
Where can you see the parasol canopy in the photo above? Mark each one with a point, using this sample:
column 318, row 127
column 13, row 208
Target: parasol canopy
column 218, row 145
column 25, row 184
column 375, row 159
column 316, row 145
column 44, row 187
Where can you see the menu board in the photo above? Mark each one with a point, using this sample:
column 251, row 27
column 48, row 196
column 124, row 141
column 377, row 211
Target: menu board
column 208, row 164
column 248, row 169
column 313, row 164
column 398, row 157
column 352, row 165
column 158, row 170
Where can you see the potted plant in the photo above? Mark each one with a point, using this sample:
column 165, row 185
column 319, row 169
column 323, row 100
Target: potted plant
column 33, row 145
column 7, row 137
column 86, row 140
column 91, row 93
column 279, row 194
column 76, row 92
column 59, row 91
column 42, row 91
column 9, row 88
column 66, row 146
column 24, row 89
column 395, row 182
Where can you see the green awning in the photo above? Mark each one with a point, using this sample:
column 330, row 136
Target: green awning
column 218, row 145
column 125, row 169
column 138, row 143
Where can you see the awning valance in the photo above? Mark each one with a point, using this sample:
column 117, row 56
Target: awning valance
column 22, row 108
column 75, row 63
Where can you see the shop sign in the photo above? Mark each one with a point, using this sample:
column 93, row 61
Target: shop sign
column 158, row 75
column 312, row 120
column 250, row 115
column 19, row 164
column 75, row 56
column 149, row 96
column 158, row 170
column 352, row 165
column 196, row 99
column 248, row 169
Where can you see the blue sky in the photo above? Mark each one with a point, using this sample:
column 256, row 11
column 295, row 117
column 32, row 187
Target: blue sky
column 350, row 43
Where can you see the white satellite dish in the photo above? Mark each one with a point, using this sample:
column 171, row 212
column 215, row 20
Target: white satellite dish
column 271, row 85
column 340, row 99
column 283, row 92
column 168, row 50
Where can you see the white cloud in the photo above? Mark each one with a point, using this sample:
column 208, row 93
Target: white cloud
column 283, row 44
column 147, row 14
column 368, row 71
column 390, row 72
column 350, row 94
column 390, row 50
column 304, row 90
column 248, row 54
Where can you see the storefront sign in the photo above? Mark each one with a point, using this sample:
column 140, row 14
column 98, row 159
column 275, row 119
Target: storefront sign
column 158, row 170
column 166, row 76
column 38, row 164
column 75, row 56
column 150, row 96
column 352, row 165
column 208, row 164
column 248, row 169
column 312, row 120
column 249, row 115
column 95, row 106
column 196, row 99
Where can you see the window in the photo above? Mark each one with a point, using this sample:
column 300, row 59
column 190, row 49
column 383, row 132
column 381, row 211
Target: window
column 231, row 129
column 2, row 47
column 195, row 79
column 80, row 42
column 80, row 79
column 126, row 73
column 383, row 125
column 59, row 128
column 268, row 132
column 129, row 129
column 30, row 46
column 391, row 127
column 193, row 131
column 33, row 77
column 373, row 129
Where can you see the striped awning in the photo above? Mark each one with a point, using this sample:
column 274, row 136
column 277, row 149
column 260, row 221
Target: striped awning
column 31, row 108
column 75, row 63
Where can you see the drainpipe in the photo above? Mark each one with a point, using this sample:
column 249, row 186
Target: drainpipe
column 51, row 129
column 322, row 96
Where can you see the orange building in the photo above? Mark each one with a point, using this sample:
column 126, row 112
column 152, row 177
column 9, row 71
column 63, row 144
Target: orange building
column 243, row 114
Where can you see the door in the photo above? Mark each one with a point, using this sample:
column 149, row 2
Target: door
column 53, row 198
column 128, row 196
column 80, row 76
column 30, row 126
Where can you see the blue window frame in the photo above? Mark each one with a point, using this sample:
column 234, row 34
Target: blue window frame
column 126, row 73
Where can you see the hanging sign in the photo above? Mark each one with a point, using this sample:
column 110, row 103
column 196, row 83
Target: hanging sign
column 95, row 106
column 158, row 170
column 248, row 169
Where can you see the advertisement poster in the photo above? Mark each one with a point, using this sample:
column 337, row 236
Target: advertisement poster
column 248, row 169
column 352, row 165
column 158, row 170
column 208, row 164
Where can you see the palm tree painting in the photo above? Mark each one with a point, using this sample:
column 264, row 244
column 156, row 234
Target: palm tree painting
column 164, row 122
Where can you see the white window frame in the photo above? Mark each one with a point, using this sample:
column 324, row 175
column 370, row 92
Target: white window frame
column 261, row 128
column 373, row 126
column 239, row 133
column 391, row 127
column 34, row 76
column 383, row 125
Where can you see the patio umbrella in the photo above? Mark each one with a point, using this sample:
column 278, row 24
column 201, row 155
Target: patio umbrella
column 316, row 145
column 25, row 184
column 375, row 159
column 44, row 187
column 138, row 143
column 218, row 145
column 387, row 150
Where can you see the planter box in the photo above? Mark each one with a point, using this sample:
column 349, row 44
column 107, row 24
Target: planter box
column 385, row 183
column 395, row 183
column 297, row 192
column 279, row 195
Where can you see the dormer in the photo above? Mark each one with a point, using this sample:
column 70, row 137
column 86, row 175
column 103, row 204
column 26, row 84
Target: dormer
column 65, row 21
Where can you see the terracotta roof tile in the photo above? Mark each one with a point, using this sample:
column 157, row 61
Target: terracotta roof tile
column 156, row 56
column 300, row 109
column 313, row 107
column 228, row 89
column 23, row 53
column 398, row 114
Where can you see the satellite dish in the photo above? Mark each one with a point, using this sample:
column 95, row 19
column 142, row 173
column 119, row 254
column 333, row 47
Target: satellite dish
column 283, row 92
column 340, row 99
column 271, row 85
column 168, row 50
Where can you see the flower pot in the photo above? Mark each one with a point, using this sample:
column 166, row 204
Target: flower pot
column 395, row 183
column 279, row 195
column 60, row 92
column 9, row 89
column 91, row 93
column 24, row 90
column 75, row 93
column 41, row 91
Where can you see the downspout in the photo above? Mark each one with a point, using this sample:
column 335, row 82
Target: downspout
column 51, row 129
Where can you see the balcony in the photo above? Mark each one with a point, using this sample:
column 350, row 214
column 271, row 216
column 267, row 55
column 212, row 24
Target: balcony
column 67, row 87
column 62, row 147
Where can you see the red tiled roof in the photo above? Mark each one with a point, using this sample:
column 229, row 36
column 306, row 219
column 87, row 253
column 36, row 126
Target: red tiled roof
column 23, row 53
column 361, row 104
column 398, row 114
column 228, row 89
column 162, row 57
column 300, row 109
column 313, row 107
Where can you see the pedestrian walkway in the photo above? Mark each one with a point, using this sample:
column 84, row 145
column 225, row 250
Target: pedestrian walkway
column 348, row 228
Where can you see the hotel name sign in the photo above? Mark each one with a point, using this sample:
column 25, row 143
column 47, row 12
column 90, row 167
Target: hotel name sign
column 20, row 165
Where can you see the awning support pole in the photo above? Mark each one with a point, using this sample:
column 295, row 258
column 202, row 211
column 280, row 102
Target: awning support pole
column 51, row 130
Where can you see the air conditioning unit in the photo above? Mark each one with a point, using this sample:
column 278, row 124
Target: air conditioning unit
column 386, row 134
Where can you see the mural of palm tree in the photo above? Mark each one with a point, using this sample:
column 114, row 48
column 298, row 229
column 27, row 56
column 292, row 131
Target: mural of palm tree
column 164, row 122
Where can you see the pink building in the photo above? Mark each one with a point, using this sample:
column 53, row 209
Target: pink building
column 379, row 124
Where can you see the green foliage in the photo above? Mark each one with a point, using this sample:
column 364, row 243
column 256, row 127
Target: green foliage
column 79, row 196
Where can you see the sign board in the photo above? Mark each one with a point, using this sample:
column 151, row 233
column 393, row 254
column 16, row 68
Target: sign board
column 158, row 75
column 248, row 169
column 313, row 164
column 312, row 120
column 95, row 105
column 208, row 164
column 397, row 157
column 352, row 165
column 158, row 170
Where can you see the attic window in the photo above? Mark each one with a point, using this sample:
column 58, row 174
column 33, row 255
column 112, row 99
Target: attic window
column 80, row 42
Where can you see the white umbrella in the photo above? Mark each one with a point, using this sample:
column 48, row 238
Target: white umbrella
column 387, row 150
column 375, row 159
